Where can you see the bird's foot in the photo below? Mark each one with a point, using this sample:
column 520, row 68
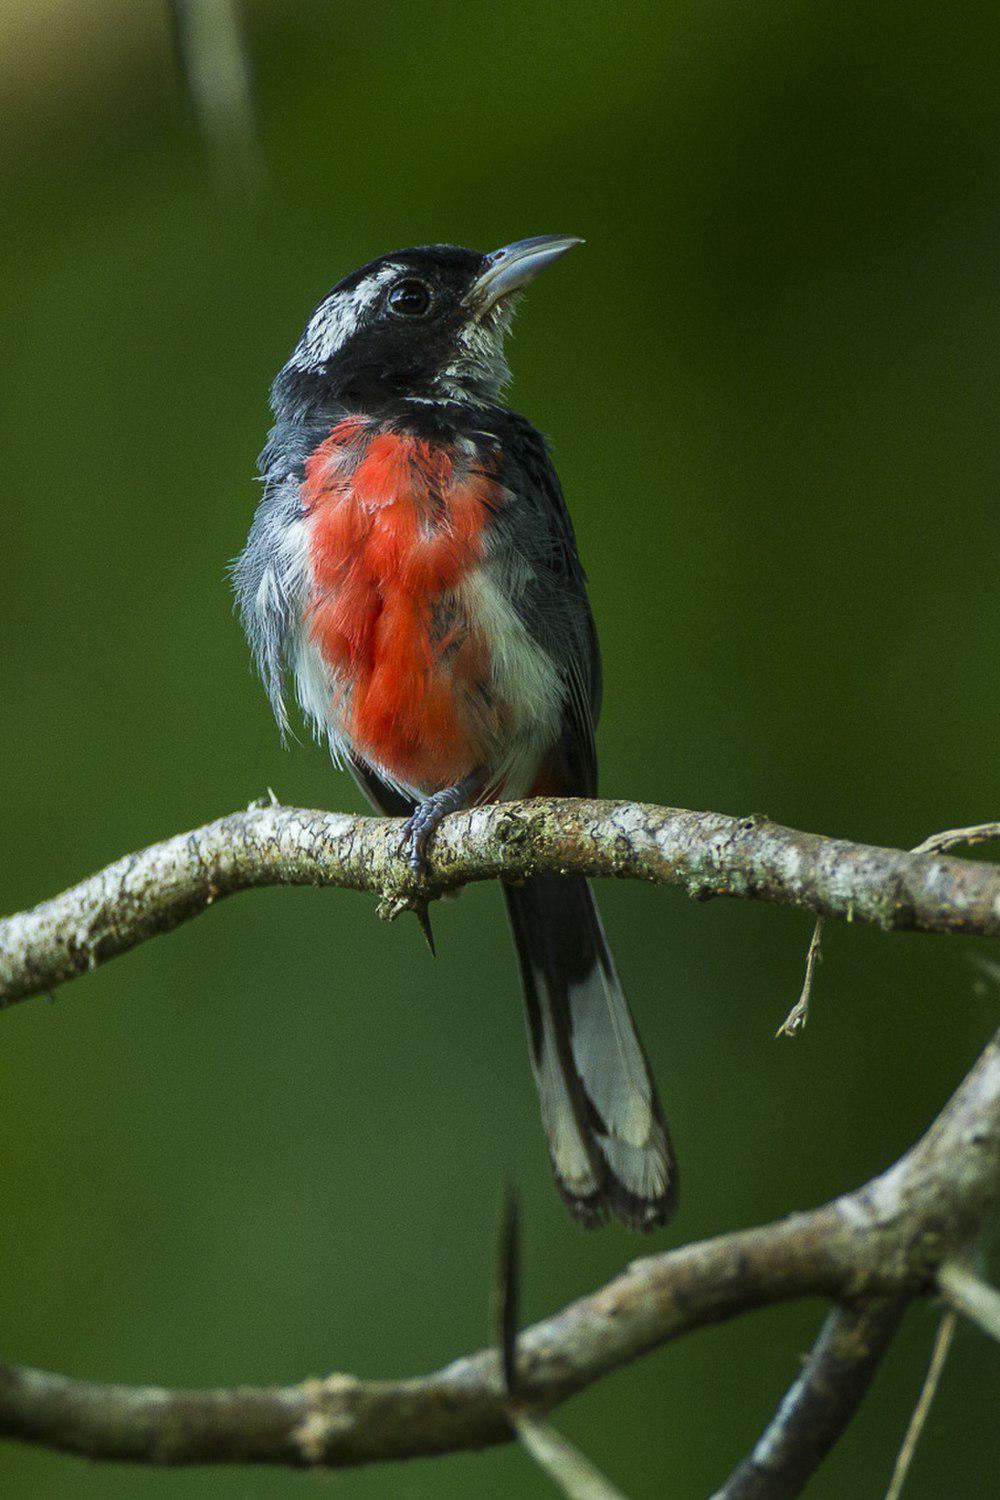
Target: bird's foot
column 420, row 825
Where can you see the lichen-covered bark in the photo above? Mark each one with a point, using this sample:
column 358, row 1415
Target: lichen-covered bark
column 705, row 854
column 869, row 1251
column 872, row 1248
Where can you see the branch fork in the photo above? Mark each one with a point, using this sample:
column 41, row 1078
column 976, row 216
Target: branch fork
column 870, row 1252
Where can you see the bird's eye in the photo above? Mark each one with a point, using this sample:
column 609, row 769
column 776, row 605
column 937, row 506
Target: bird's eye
column 410, row 298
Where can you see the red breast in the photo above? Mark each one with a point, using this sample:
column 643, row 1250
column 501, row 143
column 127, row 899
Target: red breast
column 396, row 523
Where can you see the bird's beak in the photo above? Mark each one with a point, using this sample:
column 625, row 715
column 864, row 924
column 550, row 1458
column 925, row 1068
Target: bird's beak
column 511, row 268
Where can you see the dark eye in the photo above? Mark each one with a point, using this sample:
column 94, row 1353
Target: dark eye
column 410, row 298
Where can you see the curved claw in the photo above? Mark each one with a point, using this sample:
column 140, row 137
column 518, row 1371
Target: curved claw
column 420, row 825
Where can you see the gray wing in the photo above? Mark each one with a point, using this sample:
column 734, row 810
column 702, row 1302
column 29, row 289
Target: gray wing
column 554, row 605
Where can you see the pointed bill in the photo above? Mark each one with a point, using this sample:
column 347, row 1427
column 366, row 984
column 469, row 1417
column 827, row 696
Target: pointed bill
column 512, row 267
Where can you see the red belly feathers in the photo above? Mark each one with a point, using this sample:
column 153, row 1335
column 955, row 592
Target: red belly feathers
column 396, row 523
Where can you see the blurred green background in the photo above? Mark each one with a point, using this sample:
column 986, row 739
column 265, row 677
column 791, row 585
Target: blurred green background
column 271, row 1145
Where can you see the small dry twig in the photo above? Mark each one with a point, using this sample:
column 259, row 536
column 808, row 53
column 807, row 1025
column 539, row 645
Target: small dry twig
column 565, row 1465
column 799, row 1013
column 570, row 1469
column 942, row 1343
column 977, row 833
column 935, row 843
column 969, row 1295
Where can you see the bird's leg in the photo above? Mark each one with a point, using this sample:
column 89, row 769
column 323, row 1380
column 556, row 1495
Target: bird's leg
column 426, row 816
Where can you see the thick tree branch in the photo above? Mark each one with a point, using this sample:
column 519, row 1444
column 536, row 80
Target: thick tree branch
column 820, row 1403
column 869, row 1251
column 885, row 1240
column 707, row 854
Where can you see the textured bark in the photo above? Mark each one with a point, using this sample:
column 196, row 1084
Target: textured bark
column 869, row 1251
column 878, row 1246
column 820, row 1404
column 706, row 854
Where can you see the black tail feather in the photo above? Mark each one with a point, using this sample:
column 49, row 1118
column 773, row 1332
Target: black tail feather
column 609, row 1146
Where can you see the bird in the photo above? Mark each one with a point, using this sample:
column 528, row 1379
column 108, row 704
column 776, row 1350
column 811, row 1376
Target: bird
column 413, row 570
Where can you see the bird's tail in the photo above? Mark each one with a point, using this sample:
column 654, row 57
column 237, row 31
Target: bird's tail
column 609, row 1146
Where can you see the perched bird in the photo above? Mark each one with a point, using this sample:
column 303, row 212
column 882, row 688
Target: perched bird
column 413, row 567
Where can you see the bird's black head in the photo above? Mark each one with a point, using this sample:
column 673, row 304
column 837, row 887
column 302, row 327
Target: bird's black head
column 427, row 323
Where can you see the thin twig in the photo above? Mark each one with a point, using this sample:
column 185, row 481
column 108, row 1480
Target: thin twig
column 939, row 1353
column 569, row 1469
column 507, row 1290
column 799, row 1013
column 978, row 833
column 969, row 1295
column 936, row 843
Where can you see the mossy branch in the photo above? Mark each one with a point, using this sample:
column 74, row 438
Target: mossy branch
column 705, row 854
column 869, row 1252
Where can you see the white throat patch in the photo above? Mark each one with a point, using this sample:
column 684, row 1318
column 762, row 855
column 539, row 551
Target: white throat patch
column 479, row 371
